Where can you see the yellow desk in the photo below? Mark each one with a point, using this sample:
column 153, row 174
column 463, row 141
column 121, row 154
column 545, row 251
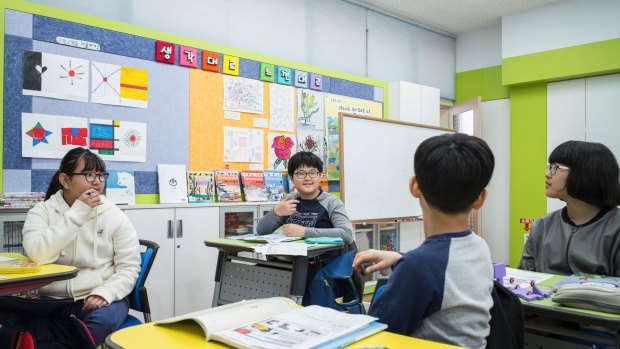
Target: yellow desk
column 238, row 278
column 188, row 334
column 548, row 309
column 19, row 282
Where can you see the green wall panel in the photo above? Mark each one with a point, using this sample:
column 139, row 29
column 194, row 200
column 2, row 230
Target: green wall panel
column 485, row 82
column 597, row 58
column 528, row 144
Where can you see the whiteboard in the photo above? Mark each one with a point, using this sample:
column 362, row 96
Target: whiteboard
column 376, row 159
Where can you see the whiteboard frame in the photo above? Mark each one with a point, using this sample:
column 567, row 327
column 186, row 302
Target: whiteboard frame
column 343, row 167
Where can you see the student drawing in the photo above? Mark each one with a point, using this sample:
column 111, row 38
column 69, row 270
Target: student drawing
column 125, row 180
column 310, row 109
column 584, row 236
column 282, row 147
column 242, row 94
column 55, row 76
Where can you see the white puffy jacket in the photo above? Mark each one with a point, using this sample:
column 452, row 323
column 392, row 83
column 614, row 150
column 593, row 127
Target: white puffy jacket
column 100, row 241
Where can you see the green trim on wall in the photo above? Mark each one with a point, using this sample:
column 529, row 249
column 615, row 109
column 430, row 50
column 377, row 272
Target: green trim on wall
column 597, row 58
column 142, row 199
column 485, row 82
column 528, row 153
column 47, row 11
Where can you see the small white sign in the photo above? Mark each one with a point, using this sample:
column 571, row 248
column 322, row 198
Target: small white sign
column 257, row 167
column 78, row 43
column 232, row 115
column 261, row 122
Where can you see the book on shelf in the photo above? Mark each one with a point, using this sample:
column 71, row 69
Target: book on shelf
column 274, row 182
column 290, row 187
column 254, row 186
column 120, row 187
column 227, row 186
column 279, row 323
column 172, row 184
column 324, row 184
column 200, row 187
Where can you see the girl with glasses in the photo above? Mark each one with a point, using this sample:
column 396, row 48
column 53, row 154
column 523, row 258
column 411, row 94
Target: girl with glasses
column 77, row 226
column 584, row 236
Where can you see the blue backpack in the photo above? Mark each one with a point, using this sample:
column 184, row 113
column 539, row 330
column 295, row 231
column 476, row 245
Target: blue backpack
column 332, row 281
column 41, row 324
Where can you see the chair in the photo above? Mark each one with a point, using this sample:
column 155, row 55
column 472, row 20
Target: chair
column 138, row 298
column 507, row 323
column 381, row 282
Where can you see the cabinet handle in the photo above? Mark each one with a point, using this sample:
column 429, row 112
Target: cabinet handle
column 170, row 234
column 179, row 228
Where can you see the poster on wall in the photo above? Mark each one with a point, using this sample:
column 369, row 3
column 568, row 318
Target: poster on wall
column 243, row 145
column 281, row 108
column 335, row 104
column 118, row 140
column 55, row 76
column 313, row 141
column 281, row 148
column 241, row 94
column 310, row 109
column 52, row 136
column 119, row 85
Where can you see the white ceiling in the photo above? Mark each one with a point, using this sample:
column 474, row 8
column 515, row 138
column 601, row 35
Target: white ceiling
column 451, row 16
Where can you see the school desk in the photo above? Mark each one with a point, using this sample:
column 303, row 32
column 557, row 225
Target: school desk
column 19, row 282
column 238, row 278
column 188, row 334
column 547, row 309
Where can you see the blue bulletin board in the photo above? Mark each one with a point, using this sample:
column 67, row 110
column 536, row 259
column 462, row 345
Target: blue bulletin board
column 37, row 28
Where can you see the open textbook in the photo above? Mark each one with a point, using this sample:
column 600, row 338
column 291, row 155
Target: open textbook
column 279, row 323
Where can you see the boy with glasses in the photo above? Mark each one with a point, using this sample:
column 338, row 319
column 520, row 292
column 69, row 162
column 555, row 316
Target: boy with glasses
column 310, row 212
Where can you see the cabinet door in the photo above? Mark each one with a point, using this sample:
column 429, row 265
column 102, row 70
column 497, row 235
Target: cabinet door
column 238, row 220
column 195, row 263
column 153, row 224
column 11, row 226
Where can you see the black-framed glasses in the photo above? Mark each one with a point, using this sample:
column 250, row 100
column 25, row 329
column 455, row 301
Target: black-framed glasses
column 304, row 174
column 90, row 176
column 553, row 168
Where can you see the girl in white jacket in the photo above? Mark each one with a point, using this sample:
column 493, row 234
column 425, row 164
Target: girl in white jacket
column 77, row 226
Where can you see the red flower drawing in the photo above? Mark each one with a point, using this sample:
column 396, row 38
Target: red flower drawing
column 282, row 146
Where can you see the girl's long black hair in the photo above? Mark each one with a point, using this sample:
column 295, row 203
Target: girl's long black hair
column 71, row 160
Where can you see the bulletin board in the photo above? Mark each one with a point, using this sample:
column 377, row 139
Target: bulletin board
column 377, row 157
column 174, row 101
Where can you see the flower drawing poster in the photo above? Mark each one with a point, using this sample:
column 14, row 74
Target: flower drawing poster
column 118, row 140
column 55, row 76
column 52, row 136
column 312, row 141
column 310, row 109
column 281, row 147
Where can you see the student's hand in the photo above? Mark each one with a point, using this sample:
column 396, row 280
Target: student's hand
column 91, row 198
column 286, row 207
column 94, row 302
column 381, row 259
column 294, row 230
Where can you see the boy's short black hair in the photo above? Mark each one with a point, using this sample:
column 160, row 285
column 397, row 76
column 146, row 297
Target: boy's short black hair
column 593, row 175
column 452, row 170
column 304, row 158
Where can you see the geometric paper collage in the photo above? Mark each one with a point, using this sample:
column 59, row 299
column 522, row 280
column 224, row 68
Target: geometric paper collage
column 118, row 85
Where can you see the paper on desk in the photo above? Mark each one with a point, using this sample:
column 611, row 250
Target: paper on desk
column 524, row 278
column 6, row 259
column 286, row 249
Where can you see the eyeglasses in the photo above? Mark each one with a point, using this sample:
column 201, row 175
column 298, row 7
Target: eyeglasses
column 553, row 168
column 304, row 174
column 90, row 176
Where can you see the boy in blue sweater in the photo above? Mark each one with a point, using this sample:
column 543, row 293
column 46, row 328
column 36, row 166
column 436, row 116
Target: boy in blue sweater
column 441, row 291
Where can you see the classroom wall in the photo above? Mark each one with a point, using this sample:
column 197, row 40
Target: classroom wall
column 562, row 41
column 479, row 48
column 325, row 33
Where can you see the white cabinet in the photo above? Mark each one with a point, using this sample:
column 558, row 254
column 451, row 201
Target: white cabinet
column 413, row 103
column 182, row 276
column 11, row 225
column 242, row 219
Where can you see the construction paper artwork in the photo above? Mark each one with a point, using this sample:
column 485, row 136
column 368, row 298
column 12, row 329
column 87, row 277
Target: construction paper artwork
column 118, row 85
column 51, row 136
column 55, row 76
column 118, row 140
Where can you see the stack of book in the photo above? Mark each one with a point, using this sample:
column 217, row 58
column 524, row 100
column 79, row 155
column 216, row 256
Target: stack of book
column 21, row 199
